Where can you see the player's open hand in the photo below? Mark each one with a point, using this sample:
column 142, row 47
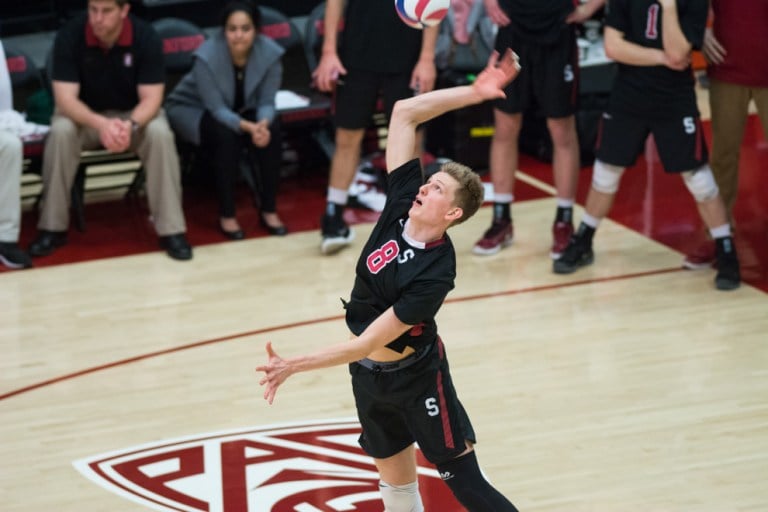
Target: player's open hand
column 275, row 372
column 328, row 72
column 497, row 74
column 496, row 13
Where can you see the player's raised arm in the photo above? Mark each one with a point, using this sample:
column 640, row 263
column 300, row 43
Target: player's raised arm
column 409, row 113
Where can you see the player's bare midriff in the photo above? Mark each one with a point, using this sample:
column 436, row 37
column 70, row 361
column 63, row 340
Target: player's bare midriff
column 386, row 355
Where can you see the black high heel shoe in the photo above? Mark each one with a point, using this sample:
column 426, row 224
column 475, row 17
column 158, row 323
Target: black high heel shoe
column 273, row 230
column 237, row 234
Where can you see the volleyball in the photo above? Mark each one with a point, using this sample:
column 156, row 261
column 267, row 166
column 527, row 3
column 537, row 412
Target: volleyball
column 422, row 13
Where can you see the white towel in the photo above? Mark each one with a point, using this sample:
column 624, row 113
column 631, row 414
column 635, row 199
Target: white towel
column 6, row 93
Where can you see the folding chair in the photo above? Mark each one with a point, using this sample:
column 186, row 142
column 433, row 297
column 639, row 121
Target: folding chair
column 314, row 118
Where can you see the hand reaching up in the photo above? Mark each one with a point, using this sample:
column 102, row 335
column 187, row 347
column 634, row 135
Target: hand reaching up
column 497, row 74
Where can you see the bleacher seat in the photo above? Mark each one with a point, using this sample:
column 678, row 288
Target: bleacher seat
column 180, row 40
column 314, row 118
column 26, row 78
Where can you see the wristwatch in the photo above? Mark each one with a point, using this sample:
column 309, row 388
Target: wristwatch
column 134, row 126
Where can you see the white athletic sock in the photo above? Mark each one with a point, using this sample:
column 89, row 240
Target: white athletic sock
column 720, row 231
column 337, row 196
column 590, row 221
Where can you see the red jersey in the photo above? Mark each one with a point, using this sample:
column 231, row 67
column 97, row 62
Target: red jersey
column 741, row 28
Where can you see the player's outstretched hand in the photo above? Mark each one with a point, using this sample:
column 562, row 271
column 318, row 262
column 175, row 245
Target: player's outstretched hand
column 497, row 74
column 275, row 372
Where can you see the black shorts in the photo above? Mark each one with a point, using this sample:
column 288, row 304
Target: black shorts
column 549, row 75
column 679, row 140
column 357, row 94
column 417, row 403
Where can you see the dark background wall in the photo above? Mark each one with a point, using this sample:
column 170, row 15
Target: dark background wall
column 30, row 16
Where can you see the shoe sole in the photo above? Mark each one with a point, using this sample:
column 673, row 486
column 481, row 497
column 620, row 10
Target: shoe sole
column 54, row 248
column 11, row 264
column 332, row 245
column 481, row 251
column 697, row 266
column 180, row 257
column 564, row 268
column 555, row 255
column 726, row 284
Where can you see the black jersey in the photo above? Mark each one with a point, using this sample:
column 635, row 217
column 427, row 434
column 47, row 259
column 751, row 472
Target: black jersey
column 654, row 90
column 539, row 21
column 108, row 78
column 376, row 39
column 412, row 277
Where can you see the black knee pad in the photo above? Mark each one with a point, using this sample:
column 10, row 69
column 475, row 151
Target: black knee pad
column 463, row 476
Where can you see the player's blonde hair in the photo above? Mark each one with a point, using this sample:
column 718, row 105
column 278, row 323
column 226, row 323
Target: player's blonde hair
column 469, row 194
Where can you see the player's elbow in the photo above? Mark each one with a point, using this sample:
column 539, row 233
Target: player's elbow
column 678, row 59
column 610, row 51
column 613, row 43
column 402, row 112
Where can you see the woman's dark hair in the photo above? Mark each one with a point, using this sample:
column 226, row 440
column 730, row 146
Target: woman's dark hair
column 246, row 6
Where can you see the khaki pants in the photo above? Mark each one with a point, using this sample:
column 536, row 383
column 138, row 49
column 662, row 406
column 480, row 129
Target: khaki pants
column 154, row 145
column 729, row 104
column 11, row 152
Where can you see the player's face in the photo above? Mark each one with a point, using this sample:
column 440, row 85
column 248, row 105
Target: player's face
column 106, row 19
column 240, row 34
column 435, row 199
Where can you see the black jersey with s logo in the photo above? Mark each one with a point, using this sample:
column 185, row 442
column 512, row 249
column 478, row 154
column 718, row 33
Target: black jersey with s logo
column 412, row 277
column 654, row 90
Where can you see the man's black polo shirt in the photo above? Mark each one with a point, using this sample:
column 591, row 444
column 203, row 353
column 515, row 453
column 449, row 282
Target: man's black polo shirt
column 108, row 78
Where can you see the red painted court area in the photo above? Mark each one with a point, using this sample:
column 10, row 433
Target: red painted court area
column 649, row 202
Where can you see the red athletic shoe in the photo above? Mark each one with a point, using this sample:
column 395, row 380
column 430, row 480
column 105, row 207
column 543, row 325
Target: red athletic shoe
column 701, row 257
column 561, row 235
column 498, row 236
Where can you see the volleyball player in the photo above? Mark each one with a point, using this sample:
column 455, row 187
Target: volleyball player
column 400, row 376
column 654, row 93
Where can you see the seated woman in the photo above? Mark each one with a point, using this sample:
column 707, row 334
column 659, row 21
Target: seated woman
column 226, row 103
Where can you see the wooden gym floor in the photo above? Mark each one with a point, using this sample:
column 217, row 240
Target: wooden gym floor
column 630, row 385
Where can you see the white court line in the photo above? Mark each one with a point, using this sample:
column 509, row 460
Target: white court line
column 526, row 178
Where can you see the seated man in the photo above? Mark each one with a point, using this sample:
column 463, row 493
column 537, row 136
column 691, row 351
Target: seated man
column 11, row 152
column 10, row 208
column 108, row 80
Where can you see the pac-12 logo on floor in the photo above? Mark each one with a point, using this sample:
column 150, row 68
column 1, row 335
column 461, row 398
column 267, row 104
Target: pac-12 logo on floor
column 307, row 467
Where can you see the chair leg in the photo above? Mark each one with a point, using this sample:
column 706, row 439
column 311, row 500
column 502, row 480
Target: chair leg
column 78, row 203
column 137, row 184
column 325, row 142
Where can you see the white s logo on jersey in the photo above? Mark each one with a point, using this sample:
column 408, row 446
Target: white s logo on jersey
column 568, row 73
column 406, row 255
column 431, row 405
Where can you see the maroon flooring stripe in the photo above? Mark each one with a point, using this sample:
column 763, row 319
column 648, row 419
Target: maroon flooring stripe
column 231, row 337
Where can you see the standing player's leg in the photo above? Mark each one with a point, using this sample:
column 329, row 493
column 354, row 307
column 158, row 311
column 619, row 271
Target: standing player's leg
column 557, row 89
column 621, row 139
column 346, row 156
column 565, row 169
column 503, row 164
column 683, row 149
column 354, row 104
column 504, row 151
